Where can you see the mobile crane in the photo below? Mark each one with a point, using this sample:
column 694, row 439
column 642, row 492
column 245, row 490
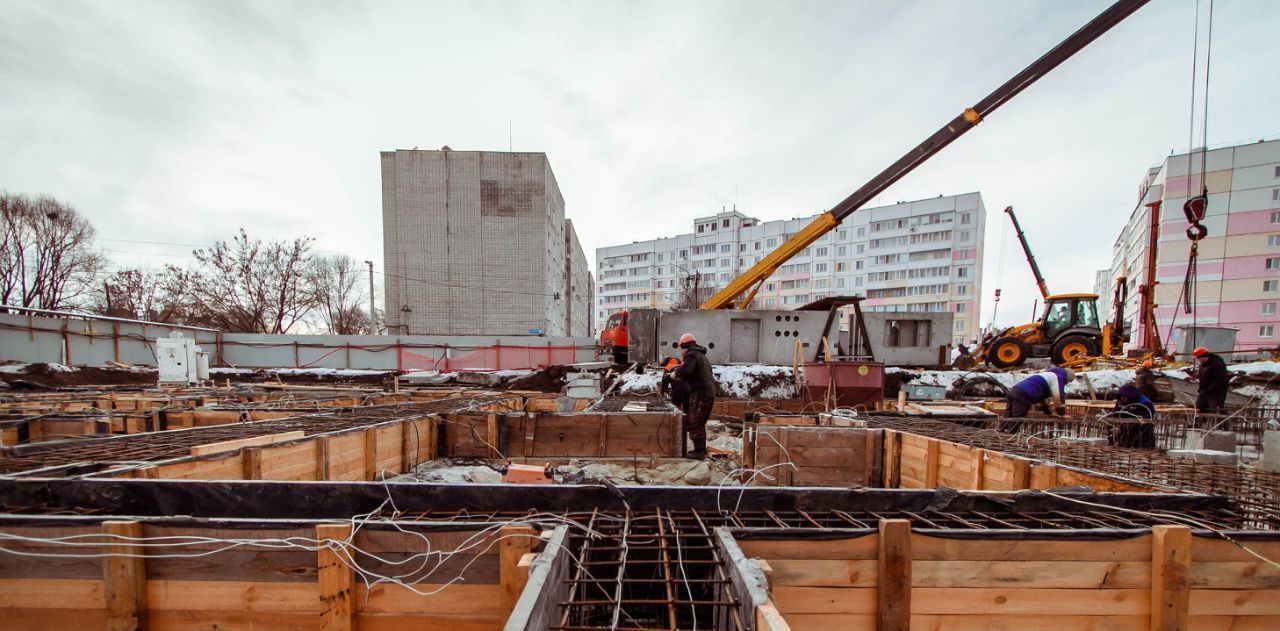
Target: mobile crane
column 739, row 293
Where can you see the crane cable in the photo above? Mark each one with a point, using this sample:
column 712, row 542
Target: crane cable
column 1196, row 207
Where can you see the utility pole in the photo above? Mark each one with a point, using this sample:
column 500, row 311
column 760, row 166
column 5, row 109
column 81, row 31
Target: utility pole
column 373, row 313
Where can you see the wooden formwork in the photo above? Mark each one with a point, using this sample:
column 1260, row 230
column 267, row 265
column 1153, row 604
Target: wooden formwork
column 211, row 585
column 804, row 455
column 599, row 435
column 1164, row 578
column 362, row 453
column 912, row 461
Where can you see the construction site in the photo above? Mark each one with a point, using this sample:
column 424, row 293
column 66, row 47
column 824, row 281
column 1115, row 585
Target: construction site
column 486, row 463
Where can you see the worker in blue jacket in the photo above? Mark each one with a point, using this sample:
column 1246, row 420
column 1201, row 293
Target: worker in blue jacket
column 1047, row 389
column 1133, row 419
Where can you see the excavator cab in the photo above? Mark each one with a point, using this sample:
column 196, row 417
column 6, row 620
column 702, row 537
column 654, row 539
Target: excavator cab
column 1068, row 331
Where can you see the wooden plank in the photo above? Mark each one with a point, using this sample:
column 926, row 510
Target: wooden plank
column 1234, row 602
column 1170, row 577
column 233, row 596
column 928, row 548
column 232, row 445
column 515, row 542
column 1029, row 622
column 931, row 464
column 1042, row 574
column 978, row 466
column 1043, row 476
column 824, row 600
column 337, row 579
column 371, row 471
column 124, row 576
column 324, row 447
column 892, row 458
column 865, row 547
column 251, row 458
column 1045, row 602
column 893, row 593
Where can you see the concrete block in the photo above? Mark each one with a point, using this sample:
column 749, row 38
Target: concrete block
column 1213, row 441
column 1271, row 451
column 1205, row 456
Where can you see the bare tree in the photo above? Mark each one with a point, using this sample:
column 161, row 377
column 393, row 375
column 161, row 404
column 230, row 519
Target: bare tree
column 141, row 295
column 695, row 289
column 247, row 286
column 47, row 259
column 339, row 294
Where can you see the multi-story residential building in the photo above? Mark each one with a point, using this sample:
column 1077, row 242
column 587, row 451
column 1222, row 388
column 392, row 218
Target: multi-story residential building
column 912, row 256
column 1238, row 265
column 476, row 243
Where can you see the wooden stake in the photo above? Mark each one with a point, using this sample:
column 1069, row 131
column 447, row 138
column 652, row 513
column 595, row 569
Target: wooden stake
column 371, row 453
column 516, row 541
column 124, row 578
column 1170, row 578
column 337, row 581
column 893, row 588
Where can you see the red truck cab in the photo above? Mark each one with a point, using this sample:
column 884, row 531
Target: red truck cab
column 614, row 336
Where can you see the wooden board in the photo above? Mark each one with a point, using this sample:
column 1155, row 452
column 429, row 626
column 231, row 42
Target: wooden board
column 252, row 441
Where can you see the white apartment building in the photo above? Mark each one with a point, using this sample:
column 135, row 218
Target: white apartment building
column 923, row 255
column 1238, row 262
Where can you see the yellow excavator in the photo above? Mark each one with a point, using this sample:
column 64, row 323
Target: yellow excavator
column 1068, row 333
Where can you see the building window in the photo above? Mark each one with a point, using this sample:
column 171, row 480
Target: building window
column 842, row 250
column 862, row 232
column 771, row 242
column 820, row 267
column 726, row 248
column 1273, row 262
column 839, row 283
column 1275, row 217
column 841, row 266
column 726, row 223
column 857, row 282
column 1277, row 173
column 860, row 248
column 960, row 307
column 959, row 325
column 821, row 252
column 757, row 245
column 965, row 217
column 844, row 234
column 700, row 227
column 962, row 289
column 1275, row 194
column 1267, row 330
column 1269, row 286
column 965, row 235
column 857, row 264
column 1273, row 241
column 742, row 247
column 962, row 272
column 1268, row 308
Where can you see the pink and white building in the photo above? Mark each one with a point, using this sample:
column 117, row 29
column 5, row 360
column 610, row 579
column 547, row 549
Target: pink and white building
column 1239, row 260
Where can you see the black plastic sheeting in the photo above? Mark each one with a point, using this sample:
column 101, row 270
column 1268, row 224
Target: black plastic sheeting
column 341, row 500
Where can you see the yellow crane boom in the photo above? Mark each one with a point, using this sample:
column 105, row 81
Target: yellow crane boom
column 749, row 282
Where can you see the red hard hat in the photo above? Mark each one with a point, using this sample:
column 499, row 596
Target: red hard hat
column 1200, row 351
column 1147, row 364
column 686, row 338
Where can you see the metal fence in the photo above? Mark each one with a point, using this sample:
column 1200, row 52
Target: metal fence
column 82, row 340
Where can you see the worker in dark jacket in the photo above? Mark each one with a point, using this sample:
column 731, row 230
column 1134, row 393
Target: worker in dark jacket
column 695, row 373
column 1132, row 419
column 1213, row 382
column 1047, row 389
column 1144, row 379
column 678, row 391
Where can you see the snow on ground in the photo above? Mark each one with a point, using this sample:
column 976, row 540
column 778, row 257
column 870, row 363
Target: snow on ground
column 735, row 381
column 326, row 372
column 728, row 443
column 23, row 368
column 1264, row 395
column 1256, row 368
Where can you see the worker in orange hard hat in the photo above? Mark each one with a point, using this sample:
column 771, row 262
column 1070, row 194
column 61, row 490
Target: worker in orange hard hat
column 1214, row 381
column 695, row 373
column 1144, row 379
column 672, row 387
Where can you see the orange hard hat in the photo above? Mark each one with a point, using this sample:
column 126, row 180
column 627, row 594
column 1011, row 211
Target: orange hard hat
column 1200, row 351
column 671, row 363
column 686, row 339
column 1147, row 364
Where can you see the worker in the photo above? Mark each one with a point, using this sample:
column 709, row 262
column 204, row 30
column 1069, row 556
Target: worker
column 1047, row 389
column 672, row 387
column 1144, row 379
column 695, row 373
column 963, row 359
column 1134, row 419
column 1214, row 380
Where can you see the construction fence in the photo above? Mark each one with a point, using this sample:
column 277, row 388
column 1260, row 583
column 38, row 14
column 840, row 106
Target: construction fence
column 82, row 340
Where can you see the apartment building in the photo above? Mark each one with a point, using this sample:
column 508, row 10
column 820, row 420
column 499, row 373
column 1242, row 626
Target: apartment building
column 922, row 255
column 477, row 243
column 1238, row 262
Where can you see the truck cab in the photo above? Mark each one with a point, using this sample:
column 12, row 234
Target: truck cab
column 614, row 336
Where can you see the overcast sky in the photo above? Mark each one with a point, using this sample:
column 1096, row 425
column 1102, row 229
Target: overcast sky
column 179, row 122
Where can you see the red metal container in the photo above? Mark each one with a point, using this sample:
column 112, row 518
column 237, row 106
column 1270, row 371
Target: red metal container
column 855, row 383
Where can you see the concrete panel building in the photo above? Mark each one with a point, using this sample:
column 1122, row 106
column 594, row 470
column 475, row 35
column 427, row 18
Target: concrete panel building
column 476, row 243
column 1238, row 262
column 920, row 256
